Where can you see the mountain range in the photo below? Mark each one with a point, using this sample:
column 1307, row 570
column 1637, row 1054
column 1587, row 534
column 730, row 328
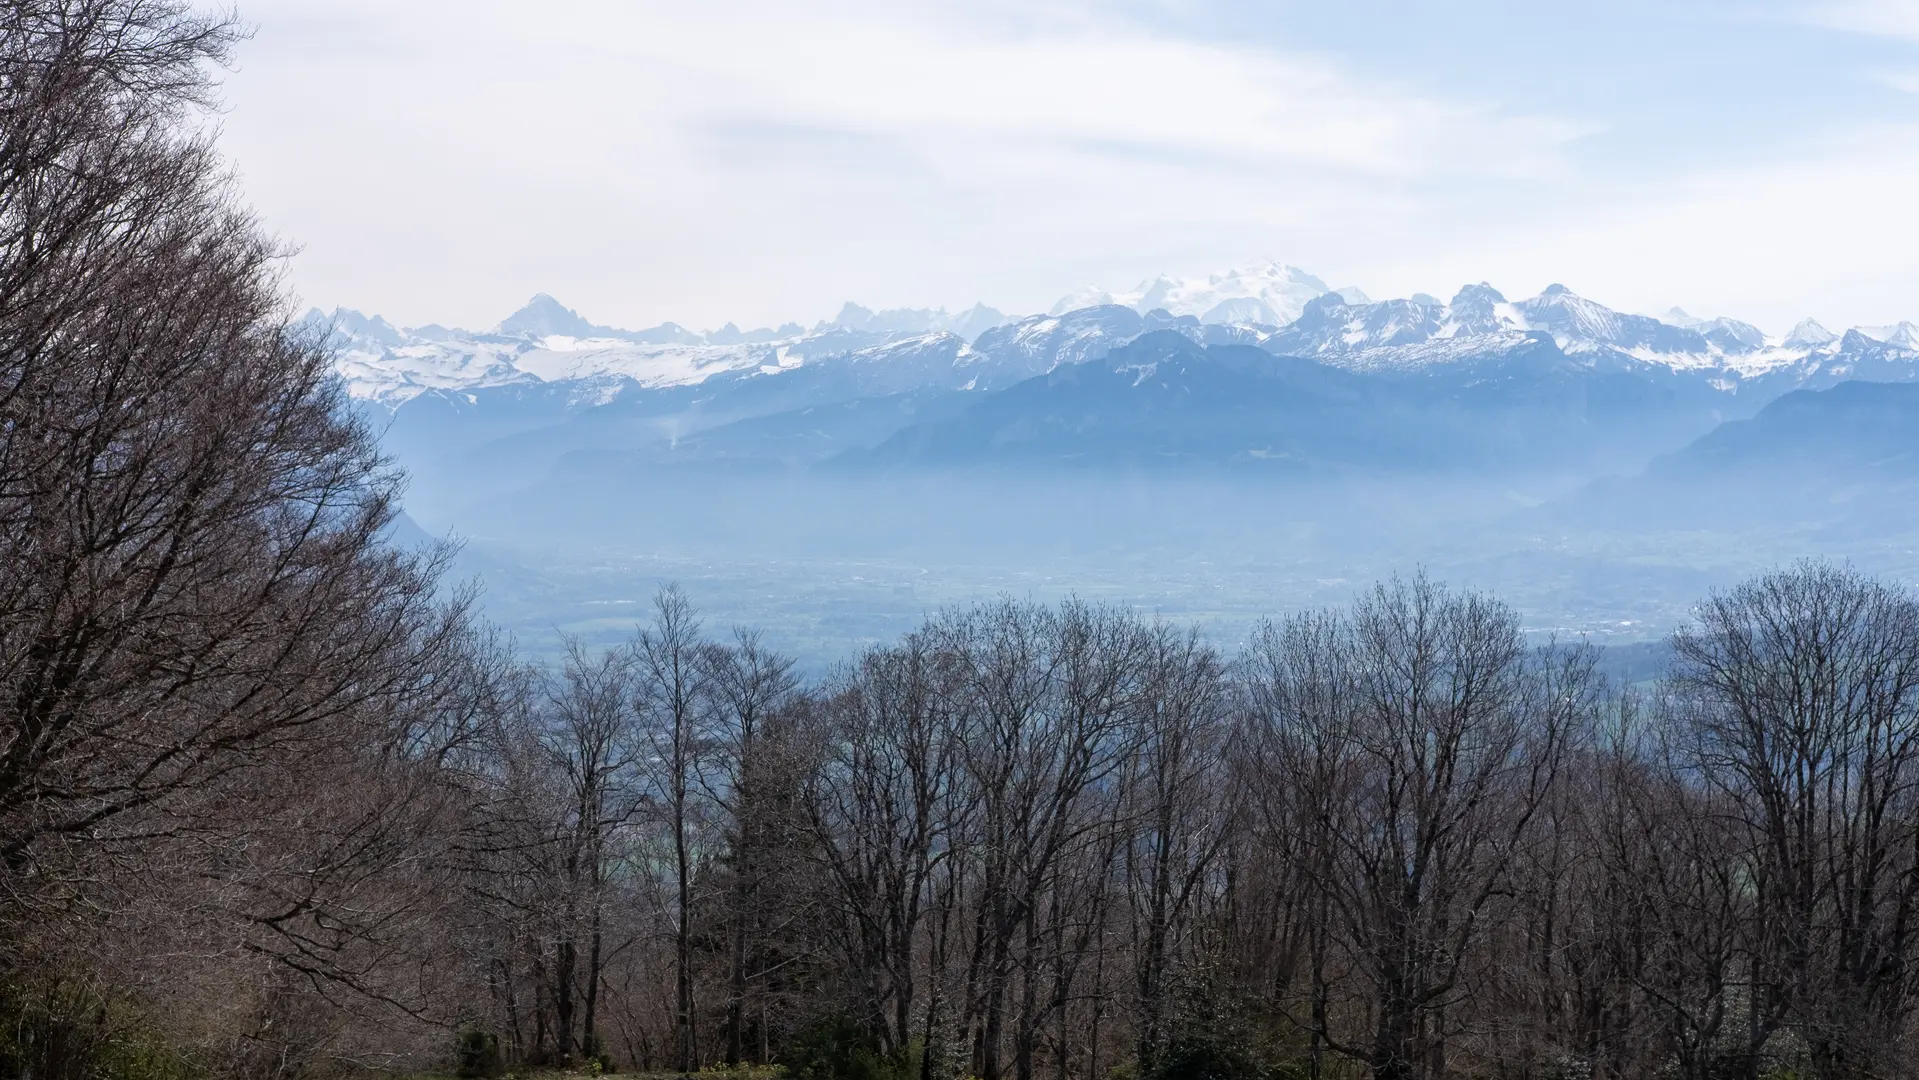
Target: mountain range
column 1604, row 466
column 1546, row 392
column 1276, row 307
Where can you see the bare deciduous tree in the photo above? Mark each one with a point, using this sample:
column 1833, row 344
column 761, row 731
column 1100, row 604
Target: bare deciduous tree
column 676, row 704
column 1800, row 690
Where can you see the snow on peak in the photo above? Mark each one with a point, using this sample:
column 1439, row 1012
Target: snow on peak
column 1479, row 322
column 1281, row 292
column 1273, row 305
column 967, row 324
column 1731, row 335
column 546, row 341
column 544, row 316
column 1478, row 309
column 1241, row 310
column 1578, row 324
column 1900, row 335
column 1809, row 334
column 350, row 325
column 1400, row 334
column 1083, row 297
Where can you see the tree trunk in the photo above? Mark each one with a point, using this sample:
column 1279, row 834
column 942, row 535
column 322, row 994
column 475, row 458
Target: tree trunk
column 683, row 943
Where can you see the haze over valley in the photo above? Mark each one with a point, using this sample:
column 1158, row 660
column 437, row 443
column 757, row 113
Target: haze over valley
column 1212, row 449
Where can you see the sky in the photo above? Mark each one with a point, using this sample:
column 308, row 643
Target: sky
column 762, row 161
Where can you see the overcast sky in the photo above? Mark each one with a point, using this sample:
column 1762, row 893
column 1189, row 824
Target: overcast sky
column 763, row 161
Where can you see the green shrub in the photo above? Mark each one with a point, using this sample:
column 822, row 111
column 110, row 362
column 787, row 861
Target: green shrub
column 1198, row 1057
column 838, row 1047
column 476, row 1054
column 742, row 1071
column 63, row 1030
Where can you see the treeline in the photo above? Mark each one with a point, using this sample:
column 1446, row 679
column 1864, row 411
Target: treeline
column 1390, row 840
column 275, row 803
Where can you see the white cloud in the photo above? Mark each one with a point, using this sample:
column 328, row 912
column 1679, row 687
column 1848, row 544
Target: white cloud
column 1889, row 18
column 756, row 162
column 1830, row 230
column 933, row 85
column 759, row 161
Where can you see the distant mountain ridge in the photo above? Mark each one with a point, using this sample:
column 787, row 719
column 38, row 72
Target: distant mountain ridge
column 1170, row 398
column 1548, row 390
column 1274, row 306
column 1846, row 456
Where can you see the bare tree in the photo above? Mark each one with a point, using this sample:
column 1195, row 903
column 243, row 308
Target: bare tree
column 592, row 742
column 676, row 702
column 234, row 721
column 1800, row 690
column 194, row 571
column 753, row 688
column 1052, row 697
column 885, row 808
column 1431, row 738
column 1180, row 815
column 1299, row 684
column 1677, row 902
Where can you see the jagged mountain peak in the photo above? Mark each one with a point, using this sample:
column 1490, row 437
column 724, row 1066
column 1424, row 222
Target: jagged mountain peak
column 1579, row 324
column 1731, row 335
column 1274, row 306
column 1902, row 335
column 1476, row 297
column 1479, row 322
column 354, row 326
column 543, row 316
column 1809, row 334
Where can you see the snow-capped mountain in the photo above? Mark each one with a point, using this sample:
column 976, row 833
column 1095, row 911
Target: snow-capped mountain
column 1730, row 335
column 967, row 324
column 1270, row 294
column 1279, row 308
column 1809, row 335
column 391, row 373
column 1040, row 343
column 1479, row 323
column 545, row 341
column 1902, row 335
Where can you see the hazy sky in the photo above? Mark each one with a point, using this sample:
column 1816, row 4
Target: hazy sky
column 760, row 161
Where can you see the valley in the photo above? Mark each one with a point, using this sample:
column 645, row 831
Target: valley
column 1601, row 469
